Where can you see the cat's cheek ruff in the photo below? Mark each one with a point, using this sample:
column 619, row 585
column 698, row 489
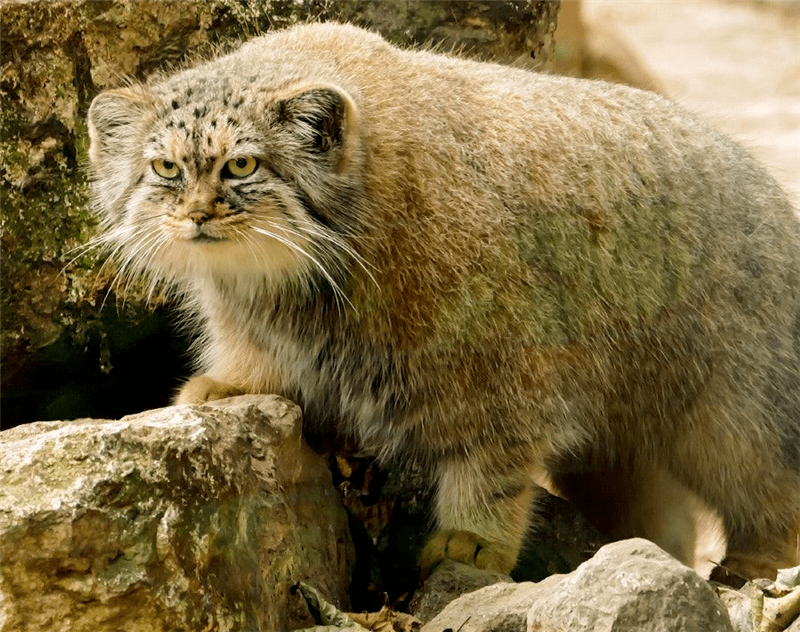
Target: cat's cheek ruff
column 257, row 263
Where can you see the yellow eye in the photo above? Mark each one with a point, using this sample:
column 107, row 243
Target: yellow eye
column 240, row 167
column 166, row 169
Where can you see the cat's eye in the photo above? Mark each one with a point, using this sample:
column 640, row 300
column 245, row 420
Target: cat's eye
column 240, row 167
column 166, row 169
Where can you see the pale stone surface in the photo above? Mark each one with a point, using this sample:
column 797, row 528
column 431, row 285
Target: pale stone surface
column 629, row 586
column 739, row 605
column 501, row 607
column 762, row 605
column 183, row 518
column 448, row 581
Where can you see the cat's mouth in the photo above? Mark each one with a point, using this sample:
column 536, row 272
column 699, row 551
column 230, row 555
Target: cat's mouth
column 203, row 238
column 201, row 235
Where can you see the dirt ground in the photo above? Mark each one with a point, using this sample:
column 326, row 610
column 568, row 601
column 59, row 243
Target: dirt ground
column 734, row 62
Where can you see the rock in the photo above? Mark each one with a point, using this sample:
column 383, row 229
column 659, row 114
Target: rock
column 788, row 577
column 450, row 580
column 183, row 518
column 501, row 607
column 779, row 613
column 763, row 605
column 628, row 586
column 739, row 604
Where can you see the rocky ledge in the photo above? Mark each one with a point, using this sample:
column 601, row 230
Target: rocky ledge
column 184, row 518
column 205, row 517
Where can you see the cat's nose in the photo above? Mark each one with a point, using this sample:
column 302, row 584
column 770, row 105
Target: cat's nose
column 199, row 216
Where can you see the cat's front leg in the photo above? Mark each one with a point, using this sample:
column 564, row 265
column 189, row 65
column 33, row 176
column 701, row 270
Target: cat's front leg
column 204, row 388
column 482, row 513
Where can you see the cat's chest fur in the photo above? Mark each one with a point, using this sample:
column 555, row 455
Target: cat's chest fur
column 303, row 350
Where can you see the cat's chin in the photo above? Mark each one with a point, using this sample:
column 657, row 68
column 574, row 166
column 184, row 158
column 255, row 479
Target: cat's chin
column 236, row 264
column 202, row 238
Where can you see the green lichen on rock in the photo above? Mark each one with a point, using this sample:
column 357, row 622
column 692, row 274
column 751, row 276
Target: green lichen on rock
column 45, row 222
column 164, row 521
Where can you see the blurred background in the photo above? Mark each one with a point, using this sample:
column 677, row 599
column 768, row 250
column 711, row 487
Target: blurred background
column 736, row 63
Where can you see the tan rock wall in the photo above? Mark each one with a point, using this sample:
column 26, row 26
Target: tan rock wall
column 185, row 518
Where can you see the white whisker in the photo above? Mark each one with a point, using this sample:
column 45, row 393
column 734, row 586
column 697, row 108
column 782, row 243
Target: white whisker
column 298, row 249
column 333, row 256
column 330, row 239
column 95, row 243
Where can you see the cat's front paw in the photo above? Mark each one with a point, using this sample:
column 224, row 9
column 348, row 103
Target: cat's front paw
column 202, row 388
column 465, row 547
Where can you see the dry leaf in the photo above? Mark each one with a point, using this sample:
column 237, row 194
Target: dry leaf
column 326, row 613
column 387, row 620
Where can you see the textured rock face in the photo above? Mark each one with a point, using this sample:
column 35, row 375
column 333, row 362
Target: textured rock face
column 629, row 586
column 192, row 518
column 492, row 609
column 448, row 581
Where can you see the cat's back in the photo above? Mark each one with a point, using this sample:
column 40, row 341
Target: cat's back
column 467, row 137
column 440, row 105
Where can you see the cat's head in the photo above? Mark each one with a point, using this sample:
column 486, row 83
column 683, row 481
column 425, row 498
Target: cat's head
column 200, row 181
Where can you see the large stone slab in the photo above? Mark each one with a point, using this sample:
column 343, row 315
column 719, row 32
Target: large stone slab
column 183, row 518
column 628, row 586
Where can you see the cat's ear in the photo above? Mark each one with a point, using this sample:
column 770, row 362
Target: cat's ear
column 114, row 119
column 322, row 118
